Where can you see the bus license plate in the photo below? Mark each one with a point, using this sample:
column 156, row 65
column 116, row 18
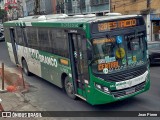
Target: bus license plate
column 130, row 91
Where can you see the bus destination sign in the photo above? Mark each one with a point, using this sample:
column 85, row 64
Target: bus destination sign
column 116, row 24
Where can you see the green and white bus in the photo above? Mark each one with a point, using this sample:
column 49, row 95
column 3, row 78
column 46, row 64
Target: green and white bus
column 99, row 59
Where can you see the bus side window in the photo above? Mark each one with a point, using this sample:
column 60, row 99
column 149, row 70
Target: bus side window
column 43, row 40
column 19, row 36
column 32, row 37
column 59, row 42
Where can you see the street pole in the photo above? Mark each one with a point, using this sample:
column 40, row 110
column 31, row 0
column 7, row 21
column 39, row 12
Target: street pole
column 2, row 76
column 2, row 90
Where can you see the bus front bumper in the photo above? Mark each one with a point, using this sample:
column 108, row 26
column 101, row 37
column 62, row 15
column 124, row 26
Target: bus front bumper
column 100, row 97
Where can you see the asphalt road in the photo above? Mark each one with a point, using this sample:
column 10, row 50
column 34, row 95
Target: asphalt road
column 52, row 98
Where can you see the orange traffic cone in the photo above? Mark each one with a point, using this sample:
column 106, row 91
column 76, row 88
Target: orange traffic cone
column 1, row 108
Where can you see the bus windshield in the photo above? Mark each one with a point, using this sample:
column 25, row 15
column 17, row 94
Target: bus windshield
column 118, row 53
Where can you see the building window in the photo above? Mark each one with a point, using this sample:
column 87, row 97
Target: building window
column 98, row 2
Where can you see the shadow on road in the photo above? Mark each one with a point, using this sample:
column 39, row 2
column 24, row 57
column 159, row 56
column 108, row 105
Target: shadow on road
column 155, row 65
column 119, row 105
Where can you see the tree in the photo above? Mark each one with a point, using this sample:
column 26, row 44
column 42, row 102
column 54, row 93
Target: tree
column 9, row 7
column 37, row 7
column 3, row 14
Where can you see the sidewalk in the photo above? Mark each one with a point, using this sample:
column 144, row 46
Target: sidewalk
column 15, row 100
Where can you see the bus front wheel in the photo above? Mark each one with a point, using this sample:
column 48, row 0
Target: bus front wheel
column 25, row 67
column 69, row 88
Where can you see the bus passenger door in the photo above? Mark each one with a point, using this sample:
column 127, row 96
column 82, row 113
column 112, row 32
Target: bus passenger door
column 14, row 45
column 79, row 62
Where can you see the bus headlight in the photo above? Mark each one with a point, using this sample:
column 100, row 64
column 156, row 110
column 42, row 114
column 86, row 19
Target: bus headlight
column 106, row 90
column 102, row 88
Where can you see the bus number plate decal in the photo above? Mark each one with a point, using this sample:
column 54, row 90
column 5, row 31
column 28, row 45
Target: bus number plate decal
column 130, row 91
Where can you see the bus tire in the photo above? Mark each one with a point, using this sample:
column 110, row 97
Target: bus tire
column 69, row 88
column 25, row 67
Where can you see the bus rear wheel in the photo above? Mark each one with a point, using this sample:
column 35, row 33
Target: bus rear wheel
column 69, row 88
column 25, row 67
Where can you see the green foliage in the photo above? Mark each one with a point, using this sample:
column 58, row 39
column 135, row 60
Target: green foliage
column 3, row 13
column 9, row 7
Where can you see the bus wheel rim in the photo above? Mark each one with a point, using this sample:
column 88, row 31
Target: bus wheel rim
column 69, row 88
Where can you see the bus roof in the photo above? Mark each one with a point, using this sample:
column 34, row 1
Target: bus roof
column 63, row 18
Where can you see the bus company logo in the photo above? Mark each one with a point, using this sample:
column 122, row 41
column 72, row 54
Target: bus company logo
column 120, row 84
column 43, row 59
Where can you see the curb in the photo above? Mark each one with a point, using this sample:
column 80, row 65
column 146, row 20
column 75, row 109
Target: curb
column 3, row 91
column 1, row 107
column 14, row 81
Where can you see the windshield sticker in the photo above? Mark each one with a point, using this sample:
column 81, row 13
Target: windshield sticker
column 105, row 40
column 130, row 61
column 109, row 66
column 100, row 61
column 120, row 53
column 124, row 61
column 119, row 39
column 110, row 59
column 105, row 71
column 134, row 58
column 140, row 63
column 134, row 35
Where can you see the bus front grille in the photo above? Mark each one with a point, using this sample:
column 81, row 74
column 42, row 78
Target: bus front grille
column 124, row 75
column 128, row 91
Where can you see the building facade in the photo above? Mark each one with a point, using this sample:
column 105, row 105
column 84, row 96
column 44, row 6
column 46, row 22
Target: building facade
column 24, row 8
column 30, row 7
column 46, row 6
column 86, row 6
column 58, row 6
column 2, row 4
column 148, row 8
column 11, row 7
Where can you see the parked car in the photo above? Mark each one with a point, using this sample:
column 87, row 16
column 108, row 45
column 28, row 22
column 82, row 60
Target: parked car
column 1, row 36
column 154, row 52
column 1, row 28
